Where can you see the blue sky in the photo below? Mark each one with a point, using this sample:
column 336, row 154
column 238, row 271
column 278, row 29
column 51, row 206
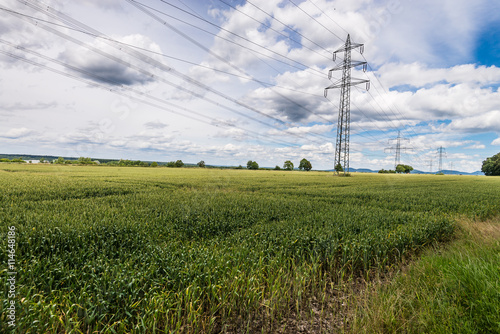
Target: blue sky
column 487, row 50
column 247, row 84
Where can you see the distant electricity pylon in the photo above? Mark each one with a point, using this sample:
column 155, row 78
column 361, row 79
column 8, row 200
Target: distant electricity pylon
column 398, row 149
column 430, row 165
column 343, row 125
column 441, row 151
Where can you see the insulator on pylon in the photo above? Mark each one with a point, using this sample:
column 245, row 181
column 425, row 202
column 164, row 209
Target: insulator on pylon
column 329, row 74
column 334, row 56
column 365, row 67
column 361, row 49
column 326, row 92
column 368, row 86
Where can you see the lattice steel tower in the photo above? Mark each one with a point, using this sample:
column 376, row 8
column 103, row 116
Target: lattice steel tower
column 343, row 125
column 398, row 149
column 441, row 151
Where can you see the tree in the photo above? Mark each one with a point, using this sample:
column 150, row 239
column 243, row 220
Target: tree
column 288, row 165
column 42, row 160
column 85, row 161
column 60, row 160
column 403, row 169
column 338, row 168
column 154, row 164
column 252, row 164
column 171, row 164
column 201, row 164
column 277, row 167
column 400, row 169
column 179, row 163
column 305, row 165
column 491, row 166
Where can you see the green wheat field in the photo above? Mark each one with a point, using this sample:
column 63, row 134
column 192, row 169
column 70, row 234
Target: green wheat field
column 193, row 250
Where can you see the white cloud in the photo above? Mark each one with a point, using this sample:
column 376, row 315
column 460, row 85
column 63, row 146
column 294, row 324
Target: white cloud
column 155, row 125
column 419, row 75
column 442, row 95
column 234, row 133
column 103, row 69
column 301, row 130
column 496, row 142
column 410, row 34
column 108, row 4
column 16, row 133
column 475, row 147
column 489, row 121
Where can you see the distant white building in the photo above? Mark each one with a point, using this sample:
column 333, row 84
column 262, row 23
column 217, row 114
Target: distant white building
column 37, row 162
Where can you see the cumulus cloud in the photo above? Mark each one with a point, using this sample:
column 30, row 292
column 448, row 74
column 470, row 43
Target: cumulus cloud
column 430, row 86
column 302, row 130
column 107, row 4
column 16, row 133
column 496, row 142
column 79, row 138
column 410, row 34
column 487, row 122
column 21, row 106
column 419, row 75
column 155, row 125
column 22, row 31
column 475, row 147
column 107, row 70
column 291, row 106
column 234, row 133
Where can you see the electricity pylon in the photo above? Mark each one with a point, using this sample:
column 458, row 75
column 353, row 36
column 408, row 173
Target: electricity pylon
column 441, row 151
column 398, row 149
column 343, row 124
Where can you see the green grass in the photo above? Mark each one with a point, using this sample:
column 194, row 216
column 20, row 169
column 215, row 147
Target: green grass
column 109, row 249
column 451, row 289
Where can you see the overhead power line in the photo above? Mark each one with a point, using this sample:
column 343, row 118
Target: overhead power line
column 343, row 124
column 315, row 20
column 123, row 90
column 134, row 51
column 145, row 58
column 303, row 66
column 333, row 33
column 159, row 53
column 441, row 151
column 140, row 69
column 328, row 16
column 152, row 15
column 287, row 26
column 271, row 28
column 398, row 149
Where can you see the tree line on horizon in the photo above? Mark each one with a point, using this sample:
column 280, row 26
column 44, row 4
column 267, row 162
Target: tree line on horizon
column 490, row 166
column 287, row 165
